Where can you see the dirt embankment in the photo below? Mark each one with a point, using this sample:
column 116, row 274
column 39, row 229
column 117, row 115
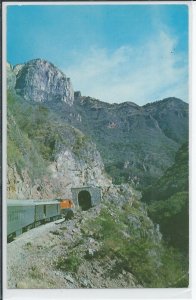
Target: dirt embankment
column 60, row 256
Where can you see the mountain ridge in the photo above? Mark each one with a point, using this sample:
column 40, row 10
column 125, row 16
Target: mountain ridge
column 137, row 143
column 38, row 61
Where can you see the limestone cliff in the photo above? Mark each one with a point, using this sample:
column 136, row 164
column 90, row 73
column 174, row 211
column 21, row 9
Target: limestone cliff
column 40, row 81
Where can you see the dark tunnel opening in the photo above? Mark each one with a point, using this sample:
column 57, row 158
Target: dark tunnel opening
column 84, row 200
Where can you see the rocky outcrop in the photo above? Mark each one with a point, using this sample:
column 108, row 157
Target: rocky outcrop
column 40, row 81
column 77, row 170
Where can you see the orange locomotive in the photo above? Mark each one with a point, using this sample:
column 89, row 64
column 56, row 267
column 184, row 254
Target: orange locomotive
column 66, row 203
column 66, row 206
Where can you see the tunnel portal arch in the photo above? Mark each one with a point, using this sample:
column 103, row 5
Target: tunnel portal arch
column 86, row 197
column 84, row 200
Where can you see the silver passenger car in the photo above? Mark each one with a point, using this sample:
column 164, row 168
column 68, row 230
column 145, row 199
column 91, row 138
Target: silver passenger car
column 23, row 215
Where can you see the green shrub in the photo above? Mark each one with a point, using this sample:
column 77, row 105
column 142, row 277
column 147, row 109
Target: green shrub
column 69, row 264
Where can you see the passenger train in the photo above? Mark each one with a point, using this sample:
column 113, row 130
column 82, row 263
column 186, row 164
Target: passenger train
column 23, row 215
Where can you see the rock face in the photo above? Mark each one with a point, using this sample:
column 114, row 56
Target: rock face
column 65, row 172
column 40, row 81
column 70, row 170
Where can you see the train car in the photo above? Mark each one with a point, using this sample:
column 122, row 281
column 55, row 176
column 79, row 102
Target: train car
column 23, row 215
column 46, row 211
column 52, row 210
column 20, row 217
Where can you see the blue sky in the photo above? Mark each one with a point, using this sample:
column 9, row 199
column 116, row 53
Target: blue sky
column 114, row 53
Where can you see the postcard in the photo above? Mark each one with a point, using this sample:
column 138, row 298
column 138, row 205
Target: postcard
column 96, row 116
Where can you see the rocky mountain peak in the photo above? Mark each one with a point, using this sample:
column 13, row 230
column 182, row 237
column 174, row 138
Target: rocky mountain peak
column 170, row 102
column 40, row 81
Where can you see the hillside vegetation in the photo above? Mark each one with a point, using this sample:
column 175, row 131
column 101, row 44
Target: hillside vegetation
column 45, row 154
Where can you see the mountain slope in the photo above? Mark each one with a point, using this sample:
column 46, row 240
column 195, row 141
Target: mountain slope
column 46, row 157
column 168, row 201
column 172, row 117
column 137, row 144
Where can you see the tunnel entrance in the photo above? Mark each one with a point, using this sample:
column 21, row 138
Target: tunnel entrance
column 84, row 200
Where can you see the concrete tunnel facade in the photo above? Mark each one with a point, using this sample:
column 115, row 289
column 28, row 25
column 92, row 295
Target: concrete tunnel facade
column 86, row 197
